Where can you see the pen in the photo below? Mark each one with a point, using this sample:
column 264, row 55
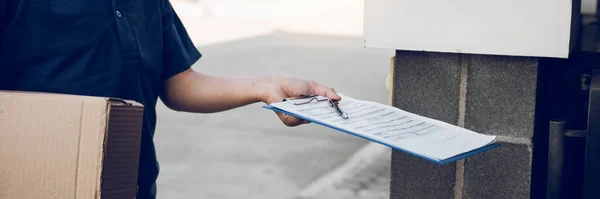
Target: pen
column 338, row 109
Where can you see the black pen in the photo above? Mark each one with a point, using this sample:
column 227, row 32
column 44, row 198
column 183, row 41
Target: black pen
column 338, row 109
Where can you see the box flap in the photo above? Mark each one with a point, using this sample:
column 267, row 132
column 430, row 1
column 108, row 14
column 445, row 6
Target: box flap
column 121, row 155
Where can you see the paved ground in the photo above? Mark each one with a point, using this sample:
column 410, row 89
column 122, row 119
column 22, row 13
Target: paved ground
column 365, row 175
column 247, row 152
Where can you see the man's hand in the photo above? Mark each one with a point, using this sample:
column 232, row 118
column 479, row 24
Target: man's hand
column 276, row 89
column 191, row 91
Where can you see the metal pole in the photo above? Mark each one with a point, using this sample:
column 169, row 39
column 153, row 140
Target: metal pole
column 574, row 155
column 591, row 179
column 554, row 188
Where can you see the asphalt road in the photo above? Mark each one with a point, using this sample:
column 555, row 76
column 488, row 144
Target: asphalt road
column 247, row 152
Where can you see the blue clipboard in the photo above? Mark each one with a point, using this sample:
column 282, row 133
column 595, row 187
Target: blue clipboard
column 441, row 162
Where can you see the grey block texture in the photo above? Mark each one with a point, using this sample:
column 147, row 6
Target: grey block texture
column 501, row 93
column 417, row 178
column 425, row 84
column 501, row 173
column 500, row 100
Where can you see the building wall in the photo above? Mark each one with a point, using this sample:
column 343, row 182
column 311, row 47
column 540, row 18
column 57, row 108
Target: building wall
column 488, row 94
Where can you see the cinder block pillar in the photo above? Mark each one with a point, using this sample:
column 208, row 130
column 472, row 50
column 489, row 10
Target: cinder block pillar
column 485, row 93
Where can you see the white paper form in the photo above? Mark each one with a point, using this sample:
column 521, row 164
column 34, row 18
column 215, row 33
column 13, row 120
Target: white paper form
column 386, row 124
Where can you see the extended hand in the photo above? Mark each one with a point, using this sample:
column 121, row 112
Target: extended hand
column 277, row 89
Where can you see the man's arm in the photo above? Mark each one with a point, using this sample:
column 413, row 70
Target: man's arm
column 191, row 91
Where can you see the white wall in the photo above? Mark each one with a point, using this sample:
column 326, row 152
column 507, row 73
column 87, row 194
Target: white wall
column 501, row 27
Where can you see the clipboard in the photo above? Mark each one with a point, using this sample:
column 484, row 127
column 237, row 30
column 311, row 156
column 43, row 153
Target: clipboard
column 306, row 99
column 311, row 98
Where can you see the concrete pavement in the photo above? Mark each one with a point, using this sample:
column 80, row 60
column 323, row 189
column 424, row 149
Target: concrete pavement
column 247, row 152
column 365, row 175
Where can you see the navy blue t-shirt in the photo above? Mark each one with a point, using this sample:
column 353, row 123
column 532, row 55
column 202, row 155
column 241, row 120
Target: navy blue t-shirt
column 111, row 48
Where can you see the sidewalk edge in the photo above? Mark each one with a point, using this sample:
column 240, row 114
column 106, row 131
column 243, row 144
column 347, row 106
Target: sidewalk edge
column 364, row 156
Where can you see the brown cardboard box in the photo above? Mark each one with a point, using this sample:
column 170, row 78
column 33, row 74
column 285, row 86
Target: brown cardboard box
column 55, row 146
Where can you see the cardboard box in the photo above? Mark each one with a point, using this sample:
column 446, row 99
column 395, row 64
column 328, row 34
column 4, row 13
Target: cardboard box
column 56, row 146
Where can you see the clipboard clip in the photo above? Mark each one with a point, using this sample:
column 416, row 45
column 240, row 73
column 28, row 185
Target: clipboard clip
column 332, row 103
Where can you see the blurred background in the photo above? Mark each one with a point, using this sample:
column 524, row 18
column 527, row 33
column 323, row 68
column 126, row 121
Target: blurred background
column 247, row 152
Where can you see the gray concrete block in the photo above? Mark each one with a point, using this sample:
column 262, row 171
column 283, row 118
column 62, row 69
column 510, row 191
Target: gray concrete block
column 427, row 83
column 501, row 94
column 499, row 174
column 416, row 178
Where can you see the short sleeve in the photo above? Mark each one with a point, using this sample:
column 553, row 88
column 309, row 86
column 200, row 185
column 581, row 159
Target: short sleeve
column 179, row 52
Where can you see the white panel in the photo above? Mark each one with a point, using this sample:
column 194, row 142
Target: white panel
column 502, row 27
